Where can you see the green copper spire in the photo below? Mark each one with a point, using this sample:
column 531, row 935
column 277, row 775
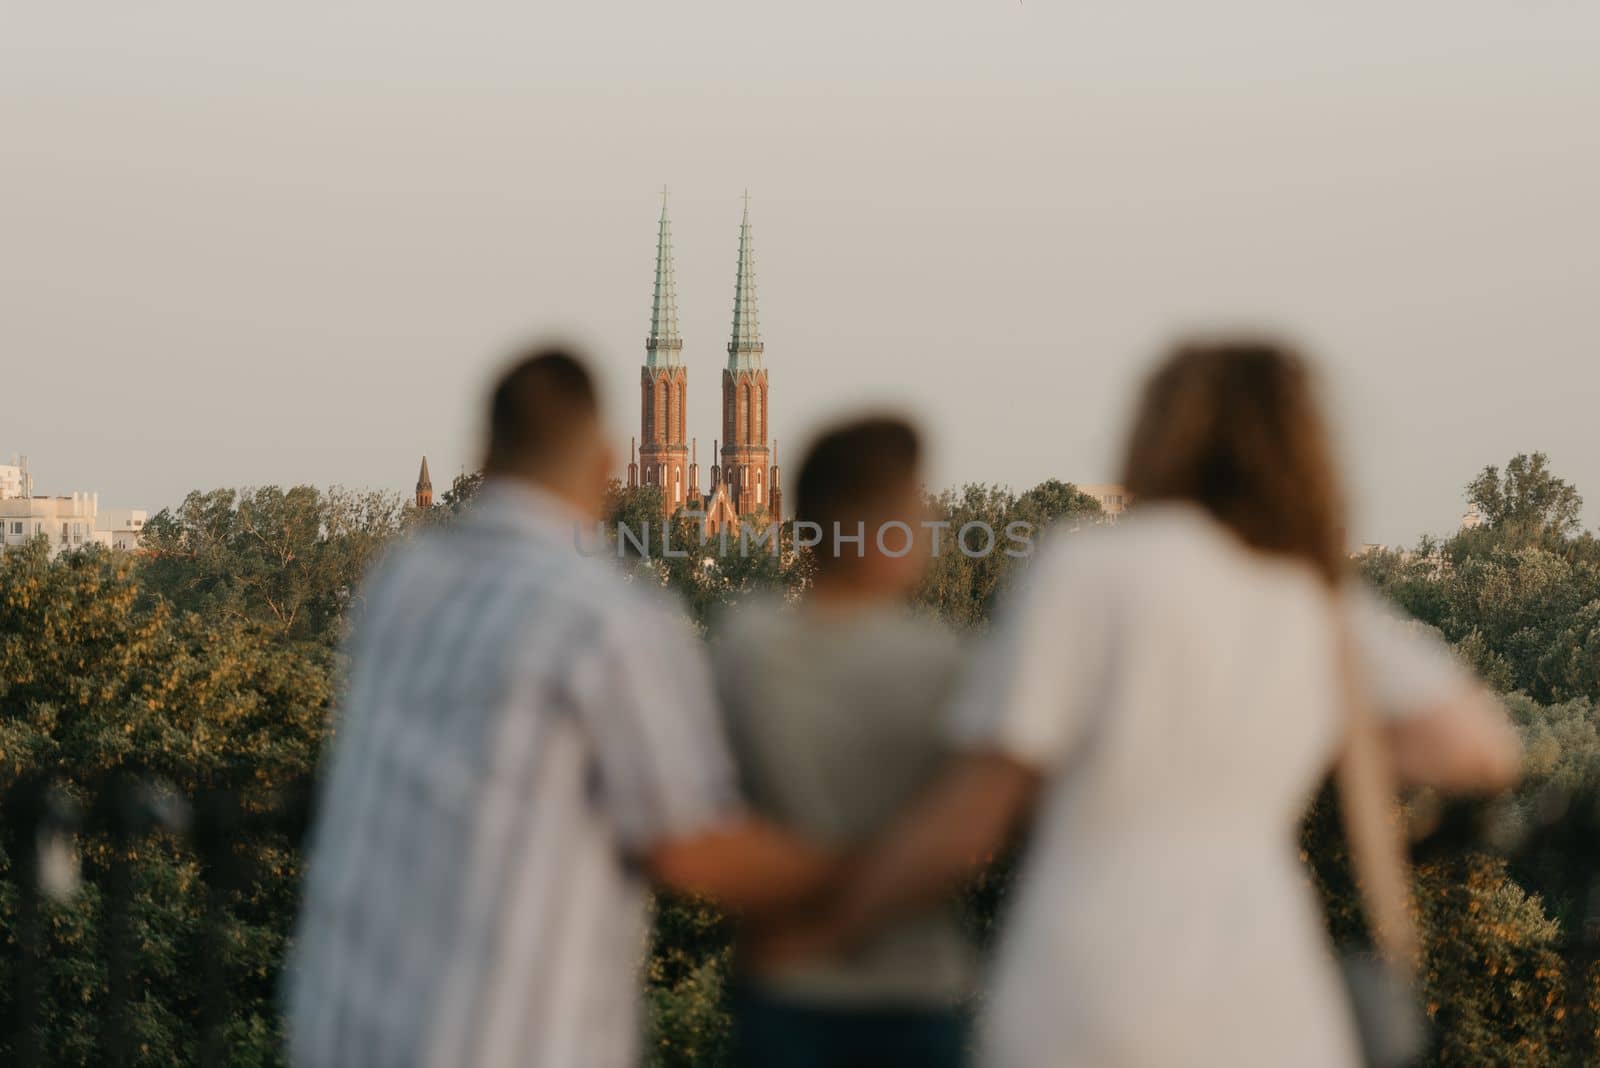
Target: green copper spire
column 744, row 351
column 664, row 346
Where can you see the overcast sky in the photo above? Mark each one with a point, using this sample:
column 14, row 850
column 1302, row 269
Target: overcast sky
column 282, row 242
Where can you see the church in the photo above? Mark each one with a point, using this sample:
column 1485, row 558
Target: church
column 744, row 470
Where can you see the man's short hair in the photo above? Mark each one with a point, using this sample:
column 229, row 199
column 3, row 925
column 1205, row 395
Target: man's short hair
column 543, row 401
column 853, row 469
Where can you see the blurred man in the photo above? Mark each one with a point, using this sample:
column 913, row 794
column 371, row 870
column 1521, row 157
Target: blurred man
column 525, row 739
column 834, row 710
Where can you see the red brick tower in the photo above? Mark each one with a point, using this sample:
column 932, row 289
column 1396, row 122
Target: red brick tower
column 745, row 459
column 663, row 390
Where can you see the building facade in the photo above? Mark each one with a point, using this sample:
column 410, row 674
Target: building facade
column 65, row 523
column 120, row 528
column 14, row 480
column 70, row 522
column 1114, row 499
column 744, row 474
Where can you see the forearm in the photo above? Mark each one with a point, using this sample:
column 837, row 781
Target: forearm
column 955, row 827
column 746, row 866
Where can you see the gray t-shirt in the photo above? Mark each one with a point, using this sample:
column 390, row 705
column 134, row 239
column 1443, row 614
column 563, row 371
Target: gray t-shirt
column 836, row 722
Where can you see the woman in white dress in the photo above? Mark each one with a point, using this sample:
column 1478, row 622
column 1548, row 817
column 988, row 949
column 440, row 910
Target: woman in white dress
column 1162, row 699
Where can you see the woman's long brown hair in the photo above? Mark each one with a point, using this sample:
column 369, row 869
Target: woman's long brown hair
column 1234, row 425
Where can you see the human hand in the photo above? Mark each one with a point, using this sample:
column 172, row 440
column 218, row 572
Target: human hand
column 771, row 947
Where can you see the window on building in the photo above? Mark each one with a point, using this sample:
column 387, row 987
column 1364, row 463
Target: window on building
column 16, row 528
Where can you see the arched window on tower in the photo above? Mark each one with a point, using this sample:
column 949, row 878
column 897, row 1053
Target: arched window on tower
column 741, row 415
column 677, row 409
column 660, row 426
column 668, row 403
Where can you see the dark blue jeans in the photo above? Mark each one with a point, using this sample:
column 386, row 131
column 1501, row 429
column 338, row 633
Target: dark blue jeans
column 774, row 1032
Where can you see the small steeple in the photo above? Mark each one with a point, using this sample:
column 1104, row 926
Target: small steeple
column 424, row 486
column 744, row 351
column 664, row 346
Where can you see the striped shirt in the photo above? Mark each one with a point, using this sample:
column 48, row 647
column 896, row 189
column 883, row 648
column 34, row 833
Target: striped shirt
column 519, row 723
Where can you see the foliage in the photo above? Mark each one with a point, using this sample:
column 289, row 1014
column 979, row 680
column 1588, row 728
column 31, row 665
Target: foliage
column 208, row 659
column 1527, row 499
column 710, row 573
column 962, row 585
column 288, row 559
column 95, row 674
column 1520, row 596
column 1493, row 981
column 1493, row 978
column 462, row 489
column 686, row 978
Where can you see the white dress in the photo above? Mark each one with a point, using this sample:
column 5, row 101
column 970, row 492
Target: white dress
column 1177, row 691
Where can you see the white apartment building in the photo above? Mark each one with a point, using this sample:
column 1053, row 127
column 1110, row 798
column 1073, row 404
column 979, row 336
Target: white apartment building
column 120, row 528
column 65, row 522
column 14, row 479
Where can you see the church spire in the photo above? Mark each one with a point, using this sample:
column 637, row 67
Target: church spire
column 744, row 351
column 424, row 486
column 664, row 346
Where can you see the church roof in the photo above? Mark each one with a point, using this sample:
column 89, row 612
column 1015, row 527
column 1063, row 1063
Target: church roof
column 664, row 346
column 423, row 481
column 744, row 350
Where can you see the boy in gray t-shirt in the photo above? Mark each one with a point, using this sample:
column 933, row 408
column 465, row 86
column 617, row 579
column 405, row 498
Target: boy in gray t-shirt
column 834, row 709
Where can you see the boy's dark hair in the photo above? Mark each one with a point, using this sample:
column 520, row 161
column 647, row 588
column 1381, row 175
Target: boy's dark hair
column 855, row 466
column 540, row 403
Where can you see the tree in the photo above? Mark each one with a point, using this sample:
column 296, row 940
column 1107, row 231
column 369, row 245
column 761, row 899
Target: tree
column 709, row 572
column 97, row 674
column 462, row 489
column 964, row 581
column 209, row 661
column 289, row 559
column 1520, row 596
column 1528, row 500
column 1475, row 921
column 1052, row 501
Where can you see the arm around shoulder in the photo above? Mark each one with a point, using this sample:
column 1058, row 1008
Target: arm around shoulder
column 745, row 865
